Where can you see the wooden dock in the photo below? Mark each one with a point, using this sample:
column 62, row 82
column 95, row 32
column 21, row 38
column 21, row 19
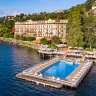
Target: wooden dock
column 39, row 81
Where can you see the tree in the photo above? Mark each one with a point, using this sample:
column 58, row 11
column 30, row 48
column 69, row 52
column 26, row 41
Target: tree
column 55, row 40
column 43, row 41
column 23, row 38
column 6, row 35
column 90, row 37
column 75, row 27
column 3, row 30
column 52, row 46
column 21, row 15
column 30, row 38
column 11, row 36
column 88, row 4
column 18, row 37
column 10, row 24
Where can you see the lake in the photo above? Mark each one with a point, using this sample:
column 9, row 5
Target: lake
column 15, row 59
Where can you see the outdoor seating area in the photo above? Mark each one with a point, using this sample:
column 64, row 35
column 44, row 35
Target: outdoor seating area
column 75, row 49
column 81, row 71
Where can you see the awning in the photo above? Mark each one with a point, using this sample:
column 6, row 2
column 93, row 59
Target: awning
column 38, row 40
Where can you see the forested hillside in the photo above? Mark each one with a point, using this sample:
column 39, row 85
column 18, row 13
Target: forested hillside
column 88, row 4
column 80, row 28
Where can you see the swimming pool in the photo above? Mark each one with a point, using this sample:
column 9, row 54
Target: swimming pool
column 60, row 69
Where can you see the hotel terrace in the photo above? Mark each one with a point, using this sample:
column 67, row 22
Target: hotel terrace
column 42, row 28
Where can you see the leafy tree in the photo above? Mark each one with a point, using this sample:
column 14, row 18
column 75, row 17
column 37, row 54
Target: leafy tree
column 3, row 30
column 6, row 35
column 18, row 37
column 21, row 15
column 43, row 41
column 23, row 38
column 1, row 20
column 90, row 36
column 75, row 27
column 11, row 36
column 1, row 35
column 52, row 46
column 10, row 24
column 30, row 38
column 88, row 4
column 55, row 40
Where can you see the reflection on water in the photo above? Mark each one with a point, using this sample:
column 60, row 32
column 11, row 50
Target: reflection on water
column 16, row 59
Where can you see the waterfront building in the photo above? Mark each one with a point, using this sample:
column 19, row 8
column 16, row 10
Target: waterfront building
column 42, row 28
column 58, row 11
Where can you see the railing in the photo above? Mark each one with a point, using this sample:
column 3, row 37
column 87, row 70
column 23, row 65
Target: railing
column 38, row 65
column 46, row 52
column 68, row 54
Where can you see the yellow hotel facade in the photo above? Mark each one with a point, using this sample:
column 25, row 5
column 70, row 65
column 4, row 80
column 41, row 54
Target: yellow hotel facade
column 42, row 28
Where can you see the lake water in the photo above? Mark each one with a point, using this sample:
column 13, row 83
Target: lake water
column 60, row 69
column 16, row 59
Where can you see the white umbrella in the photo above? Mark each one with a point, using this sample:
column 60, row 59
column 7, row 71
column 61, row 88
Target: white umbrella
column 58, row 78
column 40, row 75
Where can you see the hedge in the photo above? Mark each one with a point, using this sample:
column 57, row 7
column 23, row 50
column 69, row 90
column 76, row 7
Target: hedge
column 6, row 35
column 52, row 46
column 30, row 38
column 11, row 36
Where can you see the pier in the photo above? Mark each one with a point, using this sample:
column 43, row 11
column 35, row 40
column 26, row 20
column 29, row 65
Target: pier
column 39, row 81
column 73, row 80
column 55, row 53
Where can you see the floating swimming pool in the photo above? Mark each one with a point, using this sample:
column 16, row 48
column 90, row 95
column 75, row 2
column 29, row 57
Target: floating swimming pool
column 60, row 69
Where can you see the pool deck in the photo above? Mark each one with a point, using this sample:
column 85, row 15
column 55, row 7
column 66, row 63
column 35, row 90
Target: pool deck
column 72, row 80
column 38, row 81
column 75, row 71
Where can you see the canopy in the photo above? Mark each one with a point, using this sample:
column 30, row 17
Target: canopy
column 38, row 40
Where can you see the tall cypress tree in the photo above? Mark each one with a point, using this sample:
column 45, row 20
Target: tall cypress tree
column 75, row 29
column 90, row 25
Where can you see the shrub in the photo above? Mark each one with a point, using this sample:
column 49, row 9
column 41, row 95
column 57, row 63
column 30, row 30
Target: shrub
column 52, row 46
column 88, row 49
column 94, row 45
column 55, row 40
column 11, row 36
column 43, row 41
column 6, row 35
column 23, row 38
column 18, row 37
column 1, row 35
column 30, row 38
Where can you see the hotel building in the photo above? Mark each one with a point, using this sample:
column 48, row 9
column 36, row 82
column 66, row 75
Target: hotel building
column 42, row 28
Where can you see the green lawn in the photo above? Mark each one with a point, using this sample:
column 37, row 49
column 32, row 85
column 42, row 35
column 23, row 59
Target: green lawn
column 88, row 49
column 31, row 45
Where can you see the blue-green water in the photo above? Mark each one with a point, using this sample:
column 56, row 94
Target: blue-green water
column 60, row 69
column 16, row 59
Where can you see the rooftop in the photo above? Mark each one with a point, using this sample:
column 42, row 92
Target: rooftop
column 43, row 21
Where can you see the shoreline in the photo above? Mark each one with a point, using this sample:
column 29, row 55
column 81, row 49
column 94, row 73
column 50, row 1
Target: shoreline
column 18, row 42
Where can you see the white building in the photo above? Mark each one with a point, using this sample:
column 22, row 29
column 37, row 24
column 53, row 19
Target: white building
column 42, row 28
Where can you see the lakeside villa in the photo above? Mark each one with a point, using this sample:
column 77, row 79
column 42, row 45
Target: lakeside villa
column 42, row 28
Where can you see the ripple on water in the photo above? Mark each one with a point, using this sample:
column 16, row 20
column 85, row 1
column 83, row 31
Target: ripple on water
column 16, row 59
